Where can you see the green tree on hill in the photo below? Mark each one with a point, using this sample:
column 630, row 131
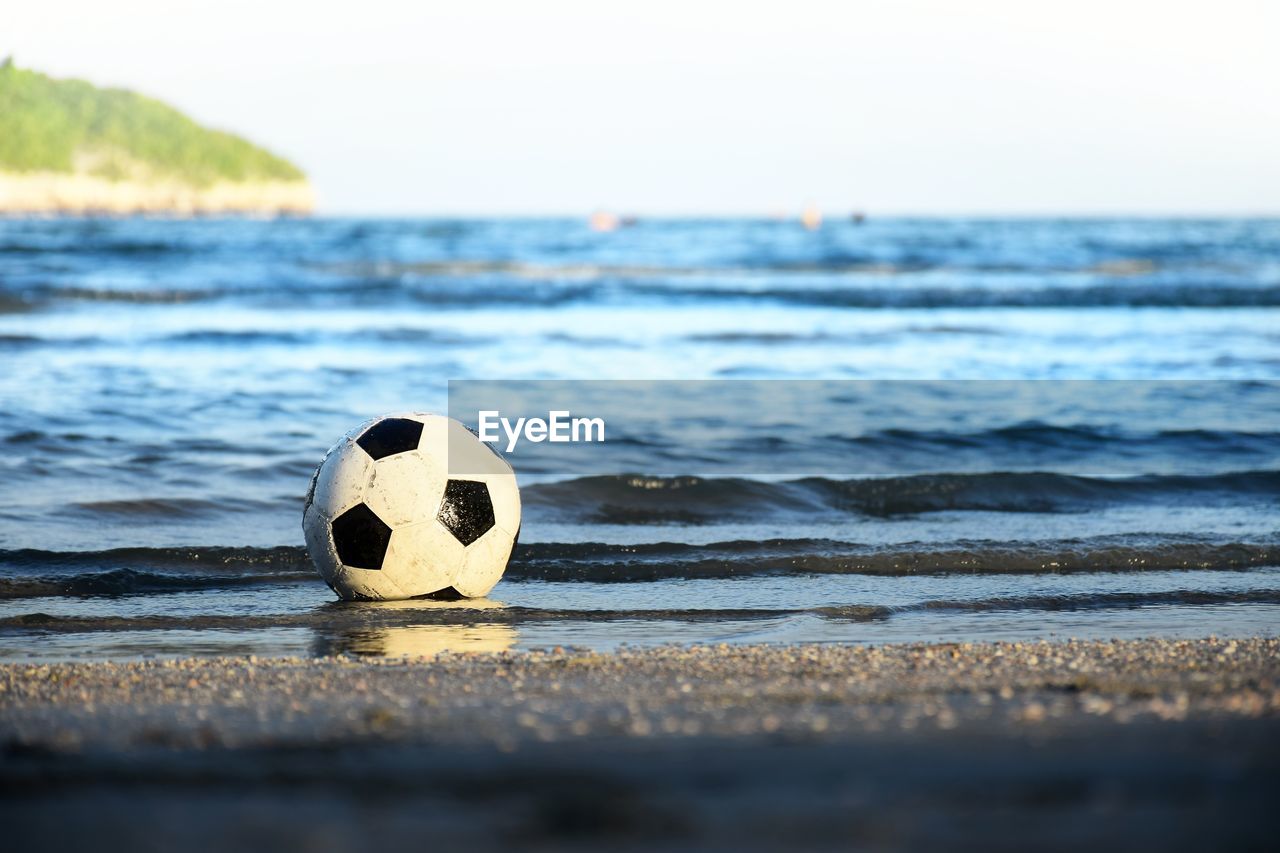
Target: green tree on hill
column 72, row 126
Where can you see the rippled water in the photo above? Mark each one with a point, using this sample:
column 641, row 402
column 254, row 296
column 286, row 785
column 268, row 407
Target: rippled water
column 167, row 388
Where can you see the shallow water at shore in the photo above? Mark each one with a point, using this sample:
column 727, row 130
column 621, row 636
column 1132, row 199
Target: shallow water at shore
column 301, row 618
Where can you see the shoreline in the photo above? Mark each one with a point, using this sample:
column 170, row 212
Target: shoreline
column 54, row 193
column 1144, row 743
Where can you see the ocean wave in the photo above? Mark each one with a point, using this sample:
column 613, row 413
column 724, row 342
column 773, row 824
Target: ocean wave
column 117, row 582
column 236, row 337
column 171, row 507
column 19, row 342
column 769, row 338
column 942, row 259
column 125, row 571
column 157, row 296
column 460, row 294
column 84, row 241
column 1125, row 295
column 485, row 285
column 1056, row 603
column 642, row 499
column 12, row 303
column 605, row 563
column 188, row 560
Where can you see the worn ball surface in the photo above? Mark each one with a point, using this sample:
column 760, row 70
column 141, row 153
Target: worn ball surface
column 408, row 505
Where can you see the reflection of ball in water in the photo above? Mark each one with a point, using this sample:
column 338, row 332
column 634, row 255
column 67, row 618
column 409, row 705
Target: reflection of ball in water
column 408, row 505
column 422, row 641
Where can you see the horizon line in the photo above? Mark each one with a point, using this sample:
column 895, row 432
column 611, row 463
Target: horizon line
column 838, row 215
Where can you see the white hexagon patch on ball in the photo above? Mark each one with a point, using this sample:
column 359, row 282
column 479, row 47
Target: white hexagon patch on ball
column 385, row 519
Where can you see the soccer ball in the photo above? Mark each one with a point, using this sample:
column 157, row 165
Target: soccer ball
column 411, row 505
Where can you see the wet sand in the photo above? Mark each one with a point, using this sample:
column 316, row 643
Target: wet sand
column 1170, row 744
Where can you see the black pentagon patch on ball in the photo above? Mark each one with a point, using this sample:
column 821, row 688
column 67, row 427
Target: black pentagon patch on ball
column 361, row 538
column 466, row 510
column 390, row 436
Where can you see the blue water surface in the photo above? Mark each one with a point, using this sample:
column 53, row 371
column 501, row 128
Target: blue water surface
column 173, row 384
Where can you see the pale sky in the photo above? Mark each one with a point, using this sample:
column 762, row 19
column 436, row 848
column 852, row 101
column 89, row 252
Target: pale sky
column 712, row 106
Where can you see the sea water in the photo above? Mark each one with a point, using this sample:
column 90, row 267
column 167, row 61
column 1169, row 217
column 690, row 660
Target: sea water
column 168, row 387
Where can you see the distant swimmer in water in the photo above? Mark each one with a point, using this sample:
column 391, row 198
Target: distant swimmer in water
column 603, row 220
column 811, row 218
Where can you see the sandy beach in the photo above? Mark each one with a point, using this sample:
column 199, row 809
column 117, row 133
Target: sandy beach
column 1147, row 743
column 48, row 193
